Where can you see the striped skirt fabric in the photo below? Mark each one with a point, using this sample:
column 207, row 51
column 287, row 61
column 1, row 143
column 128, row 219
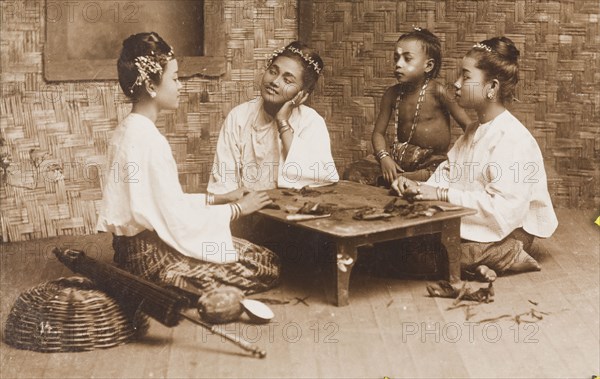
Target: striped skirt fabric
column 147, row 256
column 499, row 256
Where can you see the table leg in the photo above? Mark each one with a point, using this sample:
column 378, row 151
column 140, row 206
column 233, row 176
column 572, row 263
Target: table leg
column 451, row 241
column 344, row 261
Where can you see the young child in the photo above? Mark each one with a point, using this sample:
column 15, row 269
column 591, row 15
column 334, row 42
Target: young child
column 159, row 232
column 275, row 140
column 496, row 167
column 422, row 108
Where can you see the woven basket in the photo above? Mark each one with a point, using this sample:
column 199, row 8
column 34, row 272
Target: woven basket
column 70, row 314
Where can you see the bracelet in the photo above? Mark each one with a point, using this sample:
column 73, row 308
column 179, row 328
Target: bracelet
column 232, row 217
column 444, row 195
column 285, row 129
column 239, row 209
column 381, row 154
column 282, row 124
column 210, row 198
column 236, row 211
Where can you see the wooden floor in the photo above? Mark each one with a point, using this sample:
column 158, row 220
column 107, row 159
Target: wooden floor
column 391, row 328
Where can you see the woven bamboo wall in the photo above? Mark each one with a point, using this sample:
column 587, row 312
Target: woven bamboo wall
column 559, row 87
column 56, row 190
column 56, row 135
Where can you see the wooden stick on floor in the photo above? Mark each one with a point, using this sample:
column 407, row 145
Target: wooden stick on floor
column 165, row 306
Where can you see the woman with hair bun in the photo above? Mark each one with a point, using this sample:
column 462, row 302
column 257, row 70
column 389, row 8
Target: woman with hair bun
column 159, row 232
column 275, row 140
column 496, row 167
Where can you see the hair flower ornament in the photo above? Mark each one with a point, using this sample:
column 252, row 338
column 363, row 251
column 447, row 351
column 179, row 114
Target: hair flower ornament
column 273, row 55
column 147, row 64
column 481, row 46
column 294, row 50
column 306, row 58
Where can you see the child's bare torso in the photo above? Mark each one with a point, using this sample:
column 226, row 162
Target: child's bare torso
column 433, row 125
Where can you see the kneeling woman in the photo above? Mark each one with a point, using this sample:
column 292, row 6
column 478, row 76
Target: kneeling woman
column 161, row 233
column 496, row 167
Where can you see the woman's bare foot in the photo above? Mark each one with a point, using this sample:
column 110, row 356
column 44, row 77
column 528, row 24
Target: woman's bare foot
column 524, row 262
column 485, row 274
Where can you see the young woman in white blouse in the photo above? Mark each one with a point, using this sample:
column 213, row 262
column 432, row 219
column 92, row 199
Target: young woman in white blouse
column 496, row 167
column 275, row 140
column 160, row 232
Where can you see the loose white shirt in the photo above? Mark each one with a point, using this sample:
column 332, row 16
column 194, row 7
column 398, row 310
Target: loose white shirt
column 141, row 191
column 498, row 170
column 249, row 151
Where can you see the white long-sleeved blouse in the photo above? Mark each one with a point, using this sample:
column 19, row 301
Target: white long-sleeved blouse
column 141, row 192
column 498, row 170
column 249, row 151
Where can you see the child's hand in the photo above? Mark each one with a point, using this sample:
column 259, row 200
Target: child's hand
column 253, row 202
column 389, row 169
column 286, row 110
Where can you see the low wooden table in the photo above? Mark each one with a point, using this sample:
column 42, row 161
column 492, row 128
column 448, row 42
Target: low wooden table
column 347, row 233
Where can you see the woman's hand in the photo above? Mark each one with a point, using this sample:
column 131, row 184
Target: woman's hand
column 286, row 110
column 389, row 169
column 235, row 195
column 401, row 184
column 411, row 189
column 423, row 192
column 254, row 201
column 230, row 197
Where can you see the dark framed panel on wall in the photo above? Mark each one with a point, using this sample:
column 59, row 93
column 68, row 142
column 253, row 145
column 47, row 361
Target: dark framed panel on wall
column 83, row 38
column 305, row 20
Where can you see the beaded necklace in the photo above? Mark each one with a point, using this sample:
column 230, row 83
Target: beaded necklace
column 420, row 101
